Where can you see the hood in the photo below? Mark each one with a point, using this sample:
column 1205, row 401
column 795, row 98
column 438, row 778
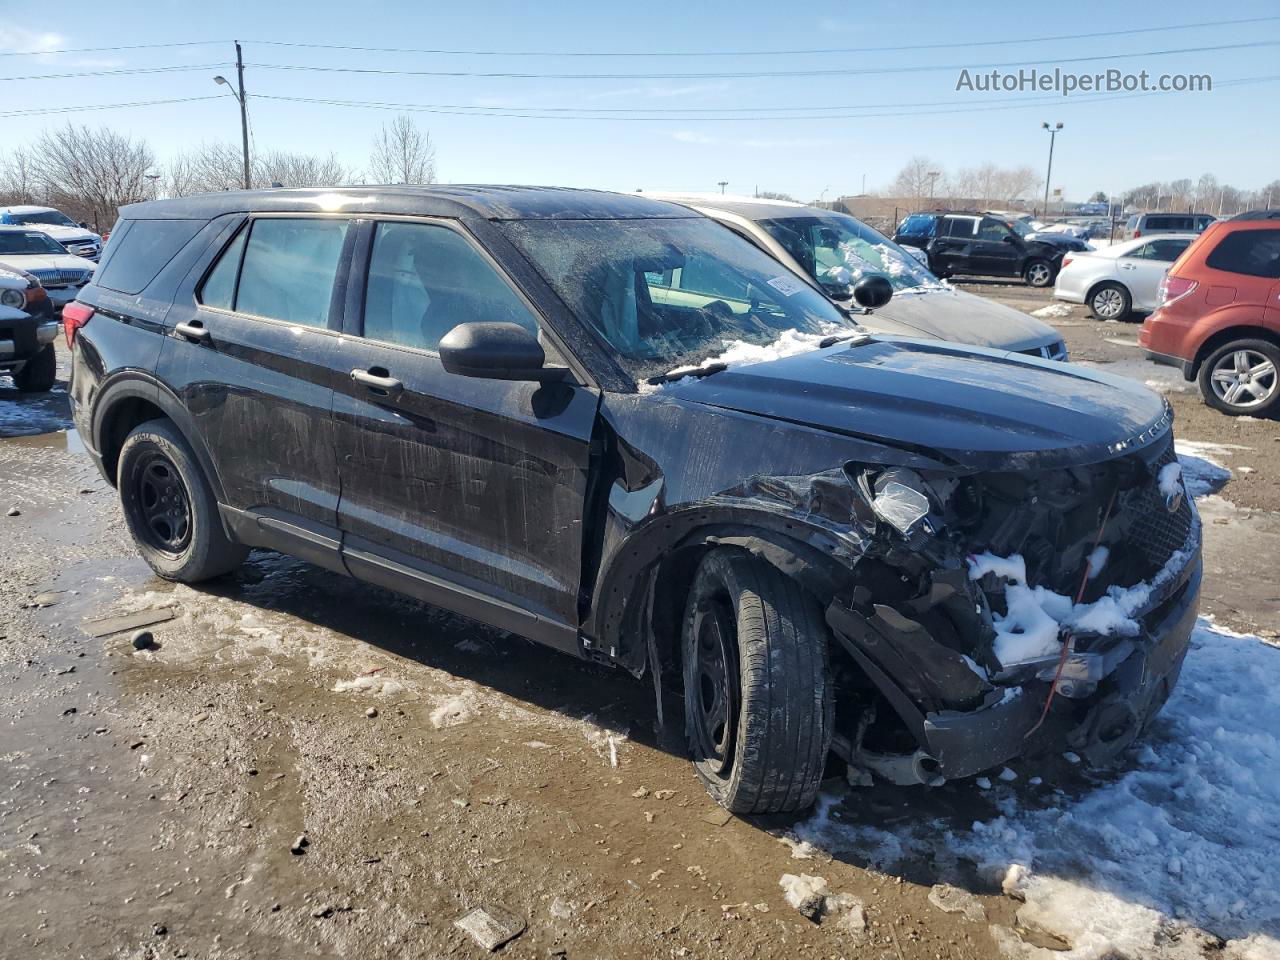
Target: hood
column 35, row 262
column 61, row 233
column 944, row 313
column 967, row 408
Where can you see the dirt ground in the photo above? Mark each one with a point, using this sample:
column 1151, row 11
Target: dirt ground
column 303, row 766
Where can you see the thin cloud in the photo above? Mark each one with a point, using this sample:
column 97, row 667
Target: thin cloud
column 692, row 136
column 659, row 91
column 22, row 40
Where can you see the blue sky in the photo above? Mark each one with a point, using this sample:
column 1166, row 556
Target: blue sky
column 1106, row 145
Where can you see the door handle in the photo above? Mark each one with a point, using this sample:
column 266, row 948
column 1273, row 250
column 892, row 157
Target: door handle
column 378, row 381
column 193, row 331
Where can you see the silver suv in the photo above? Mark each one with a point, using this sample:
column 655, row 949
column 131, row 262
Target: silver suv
column 1145, row 224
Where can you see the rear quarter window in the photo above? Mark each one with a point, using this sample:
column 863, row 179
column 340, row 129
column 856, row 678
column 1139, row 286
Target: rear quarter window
column 142, row 250
column 1254, row 253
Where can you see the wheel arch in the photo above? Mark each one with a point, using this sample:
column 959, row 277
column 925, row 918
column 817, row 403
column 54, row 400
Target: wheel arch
column 1104, row 282
column 127, row 402
column 642, row 593
column 1236, row 331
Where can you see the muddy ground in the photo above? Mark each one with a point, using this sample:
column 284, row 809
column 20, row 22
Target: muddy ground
column 155, row 800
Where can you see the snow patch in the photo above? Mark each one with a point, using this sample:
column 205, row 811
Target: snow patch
column 452, row 711
column 374, row 684
column 1052, row 310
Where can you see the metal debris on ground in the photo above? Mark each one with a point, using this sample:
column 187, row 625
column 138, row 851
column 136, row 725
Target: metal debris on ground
column 105, row 626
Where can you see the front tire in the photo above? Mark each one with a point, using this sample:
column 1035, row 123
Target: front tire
column 1110, row 301
column 1242, row 377
column 169, row 507
column 39, row 373
column 759, row 708
column 1038, row 273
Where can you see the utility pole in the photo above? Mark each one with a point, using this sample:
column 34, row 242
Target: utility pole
column 238, row 93
column 933, row 176
column 1053, row 135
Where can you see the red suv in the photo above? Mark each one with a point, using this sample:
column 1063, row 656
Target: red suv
column 1219, row 314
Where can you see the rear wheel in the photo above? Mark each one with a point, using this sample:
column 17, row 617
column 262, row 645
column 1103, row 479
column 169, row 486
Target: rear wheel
column 39, row 373
column 1110, row 301
column 1242, row 377
column 1038, row 273
column 758, row 700
column 169, row 507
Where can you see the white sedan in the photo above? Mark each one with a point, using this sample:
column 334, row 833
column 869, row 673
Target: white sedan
column 1120, row 279
column 62, row 274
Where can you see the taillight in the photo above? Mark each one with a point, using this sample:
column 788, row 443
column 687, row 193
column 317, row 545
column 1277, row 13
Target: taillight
column 1066, row 262
column 74, row 316
column 1137, row 234
column 1173, row 289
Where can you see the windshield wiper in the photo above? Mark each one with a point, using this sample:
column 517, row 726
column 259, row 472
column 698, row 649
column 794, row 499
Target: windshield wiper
column 857, row 338
column 679, row 373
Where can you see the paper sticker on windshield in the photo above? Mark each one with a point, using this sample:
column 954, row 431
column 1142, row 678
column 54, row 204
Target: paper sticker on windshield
column 787, row 286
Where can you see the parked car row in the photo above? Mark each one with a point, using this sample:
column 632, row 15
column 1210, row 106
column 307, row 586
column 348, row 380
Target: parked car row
column 630, row 432
column 981, row 244
column 75, row 238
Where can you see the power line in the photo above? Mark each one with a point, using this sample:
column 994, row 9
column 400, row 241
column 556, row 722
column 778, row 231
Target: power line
column 757, row 74
column 879, row 110
column 765, row 53
column 1204, row 24
column 129, row 71
column 41, row 111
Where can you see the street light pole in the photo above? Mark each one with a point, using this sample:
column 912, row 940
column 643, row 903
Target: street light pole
column 933, row 177
column 722, row 184
column 1053, row 135
column 238, row 93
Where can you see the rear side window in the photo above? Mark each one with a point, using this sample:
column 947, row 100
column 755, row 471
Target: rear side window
column 425, row 280
column 143, row 251
column 1255, row 253
column 286, row 270
column 1165, row 250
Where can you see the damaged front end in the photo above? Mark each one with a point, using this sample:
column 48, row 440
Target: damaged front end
column 1002, row 613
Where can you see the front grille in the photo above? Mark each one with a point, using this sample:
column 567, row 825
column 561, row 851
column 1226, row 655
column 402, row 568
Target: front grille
column 1155, row 531
column 51, row 277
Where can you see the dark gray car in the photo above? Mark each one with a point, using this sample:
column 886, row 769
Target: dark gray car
column 834, row 250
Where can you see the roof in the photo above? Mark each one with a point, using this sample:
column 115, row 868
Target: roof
column 468, row 201
column 22, row 228
column 27, row 208
column 1258, row 215
column 752, row 208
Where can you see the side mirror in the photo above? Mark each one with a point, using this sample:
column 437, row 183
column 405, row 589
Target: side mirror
column 84, row 225
column 1010, row 238
column 872, row 292
column 495, row 351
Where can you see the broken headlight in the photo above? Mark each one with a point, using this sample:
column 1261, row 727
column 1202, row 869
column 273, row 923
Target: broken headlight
column 902, row 499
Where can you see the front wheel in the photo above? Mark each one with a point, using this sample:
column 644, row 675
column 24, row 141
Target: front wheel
column 1241, row 378
column 1038, row 273
column 38, row 374
column 759, row 708
column 1110, row 301
column 169, row 507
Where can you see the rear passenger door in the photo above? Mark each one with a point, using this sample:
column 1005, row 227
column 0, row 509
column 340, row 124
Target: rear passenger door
column 463, row 491
column 952, row 250
column 1145, row 267
column 249, row 355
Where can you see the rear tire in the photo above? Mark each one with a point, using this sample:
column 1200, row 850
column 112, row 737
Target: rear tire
column 169, row 506
column 1242, row 378
column 1110, row 301
column 759, row 708
column 39, row 373
column 1038, row 273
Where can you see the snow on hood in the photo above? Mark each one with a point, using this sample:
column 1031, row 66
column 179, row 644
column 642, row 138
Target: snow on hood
column 48, row 261
column 61, row 233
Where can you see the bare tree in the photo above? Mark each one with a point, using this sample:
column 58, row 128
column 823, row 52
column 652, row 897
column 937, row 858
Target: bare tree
column 94, row 172
column 18, row 183
column 914, row 179
column 1014, row 184
column 299, row 170
column 403, row 154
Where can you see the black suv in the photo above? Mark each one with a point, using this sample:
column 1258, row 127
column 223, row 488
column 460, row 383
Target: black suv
column 608, row 424
column 28, row 329
column 981, row 245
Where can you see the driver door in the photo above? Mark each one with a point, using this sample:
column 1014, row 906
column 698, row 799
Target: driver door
column 463, row 491
column 997, row 251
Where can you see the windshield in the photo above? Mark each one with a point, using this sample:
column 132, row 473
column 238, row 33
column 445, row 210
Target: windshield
column 45, row 216
column 669, row 293
column 838, row 251
column 28, row 241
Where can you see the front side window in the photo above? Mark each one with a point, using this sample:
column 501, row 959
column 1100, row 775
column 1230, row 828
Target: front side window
column 424, row 280
column 1166, row 251
column 993, row 230
column 288, row 269
column 666, row 293
column 1255, row 253
column 837, row 251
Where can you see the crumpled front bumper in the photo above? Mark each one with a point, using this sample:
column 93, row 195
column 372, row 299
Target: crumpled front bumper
column 955, row 743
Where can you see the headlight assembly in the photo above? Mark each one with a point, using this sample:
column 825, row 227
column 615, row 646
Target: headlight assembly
column 13, row 298
column 901, row 498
